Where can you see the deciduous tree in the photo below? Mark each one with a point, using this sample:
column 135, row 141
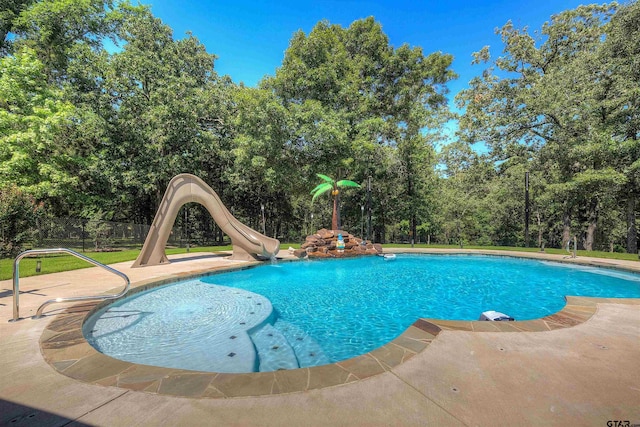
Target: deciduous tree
column 547, row 93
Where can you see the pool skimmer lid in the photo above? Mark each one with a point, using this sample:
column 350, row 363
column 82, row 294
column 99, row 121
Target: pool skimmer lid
column 495, row 316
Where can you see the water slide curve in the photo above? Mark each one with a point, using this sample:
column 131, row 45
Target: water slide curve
column 247, row 243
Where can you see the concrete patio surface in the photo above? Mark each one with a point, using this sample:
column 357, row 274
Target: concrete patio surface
column 585, row 372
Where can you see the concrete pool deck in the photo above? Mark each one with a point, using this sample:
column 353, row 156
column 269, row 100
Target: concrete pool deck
column 581, row 367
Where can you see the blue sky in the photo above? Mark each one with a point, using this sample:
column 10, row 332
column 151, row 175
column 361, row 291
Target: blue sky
column 250, row 37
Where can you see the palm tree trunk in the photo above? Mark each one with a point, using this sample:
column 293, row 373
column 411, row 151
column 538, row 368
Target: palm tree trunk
column 338, row 211
column 335, row 218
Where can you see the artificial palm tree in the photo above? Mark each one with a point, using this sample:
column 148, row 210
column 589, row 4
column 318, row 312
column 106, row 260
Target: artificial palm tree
column 330, row 184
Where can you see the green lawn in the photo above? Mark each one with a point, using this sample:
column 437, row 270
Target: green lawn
column 57, row 263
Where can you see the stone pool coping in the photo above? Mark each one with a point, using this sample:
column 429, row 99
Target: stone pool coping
column 64, row 347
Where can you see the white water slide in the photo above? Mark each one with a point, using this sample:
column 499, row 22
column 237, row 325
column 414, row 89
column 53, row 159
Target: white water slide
column 247, row 243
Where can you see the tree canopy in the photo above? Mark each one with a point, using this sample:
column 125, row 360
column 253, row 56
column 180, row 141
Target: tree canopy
column 559, row 103
column 89, row 132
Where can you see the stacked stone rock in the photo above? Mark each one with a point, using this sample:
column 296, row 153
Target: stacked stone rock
column 322, row 244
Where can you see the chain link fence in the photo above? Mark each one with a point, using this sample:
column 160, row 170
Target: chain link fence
column 193, row 228
column 190, row 229
column 83, row 235
column 104, row 236
column 89, row 235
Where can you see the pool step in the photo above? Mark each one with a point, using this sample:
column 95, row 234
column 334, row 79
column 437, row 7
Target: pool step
column 274, row 351
column 307, row 350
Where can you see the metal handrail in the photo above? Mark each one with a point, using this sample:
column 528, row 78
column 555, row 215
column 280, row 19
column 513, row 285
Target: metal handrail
column 32, row 252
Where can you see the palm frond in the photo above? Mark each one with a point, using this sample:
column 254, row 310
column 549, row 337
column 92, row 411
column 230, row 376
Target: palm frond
column 318, row 187
column 347, row 183
column 321, row 189
column 325, row 178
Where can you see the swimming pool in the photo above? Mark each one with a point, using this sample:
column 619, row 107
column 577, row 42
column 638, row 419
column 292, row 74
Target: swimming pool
column 316, row 312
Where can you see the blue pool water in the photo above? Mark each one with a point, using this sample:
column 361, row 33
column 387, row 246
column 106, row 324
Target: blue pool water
column 348, row 307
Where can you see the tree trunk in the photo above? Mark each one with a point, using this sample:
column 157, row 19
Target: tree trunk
column 276, row 229
column 410, row 197
column 335, row 218
column 566, row 228
column 159, row 195
column 150, row 210
column 459, row 233
column 632, row 231
column 381, row 225
column 592, row 218
column 338, row 212
column 413, row 227
column 539, row 229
